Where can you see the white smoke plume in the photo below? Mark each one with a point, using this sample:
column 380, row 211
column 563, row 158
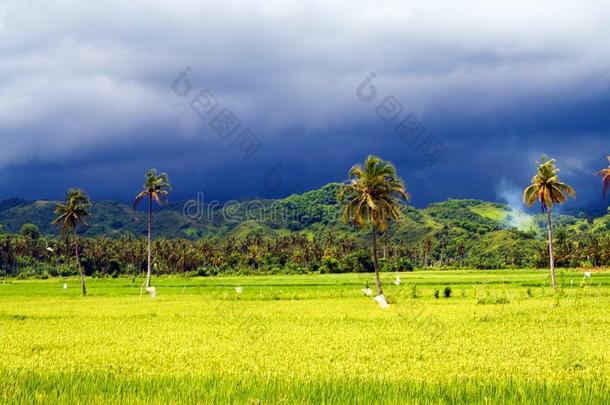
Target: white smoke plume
column 516, row 217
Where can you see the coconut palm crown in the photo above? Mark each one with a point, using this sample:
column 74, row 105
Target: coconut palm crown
column 373, row 194
column 156, row 186
column 546, row 187
column 73, row 212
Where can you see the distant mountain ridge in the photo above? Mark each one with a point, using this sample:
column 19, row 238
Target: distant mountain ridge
column 311, row 212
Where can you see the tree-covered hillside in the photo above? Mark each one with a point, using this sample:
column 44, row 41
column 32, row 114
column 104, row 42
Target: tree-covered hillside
column 313, row 211
column 301, row 233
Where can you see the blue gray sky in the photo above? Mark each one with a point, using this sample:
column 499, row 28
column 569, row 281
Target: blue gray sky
column 86, row 95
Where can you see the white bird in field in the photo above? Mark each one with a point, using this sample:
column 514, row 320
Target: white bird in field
column 383, row 303
column 152, row 291
column 587, row 274
column 65, row 286
column 367, row 291
column 238, row 290
column 50, row 249
column 397, row 281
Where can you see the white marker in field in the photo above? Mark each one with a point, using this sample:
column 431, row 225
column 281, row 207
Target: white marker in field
column 397, row 281
column 152, row 291
column 383, row 303
column 65, row 286
column 238, row 290
column 367, row 291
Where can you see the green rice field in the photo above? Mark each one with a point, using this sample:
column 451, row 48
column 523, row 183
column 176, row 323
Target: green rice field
column 501, row 337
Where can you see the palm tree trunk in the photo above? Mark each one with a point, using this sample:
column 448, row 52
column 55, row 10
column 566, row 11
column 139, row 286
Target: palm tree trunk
column 425, row 258
column 376, row 263
column 80, row 268
column 551, row 255
column 148, row 267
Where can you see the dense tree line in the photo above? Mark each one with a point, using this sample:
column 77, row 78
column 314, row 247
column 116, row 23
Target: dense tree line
column 30, row 254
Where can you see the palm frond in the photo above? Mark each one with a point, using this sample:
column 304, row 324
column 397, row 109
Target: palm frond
column 605, row 174
column 139, row 199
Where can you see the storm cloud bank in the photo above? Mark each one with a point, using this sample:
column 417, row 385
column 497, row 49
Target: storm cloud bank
column 86, row 94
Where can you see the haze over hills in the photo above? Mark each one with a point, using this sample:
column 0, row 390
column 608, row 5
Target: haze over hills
column 311, row 212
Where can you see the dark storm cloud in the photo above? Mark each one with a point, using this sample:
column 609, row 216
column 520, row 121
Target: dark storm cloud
column 85, row 94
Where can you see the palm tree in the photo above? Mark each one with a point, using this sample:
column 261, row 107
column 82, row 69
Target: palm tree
column 373, row 195
column 69, row 215
column 605, row 173
column 156, row 187
column 548, row 190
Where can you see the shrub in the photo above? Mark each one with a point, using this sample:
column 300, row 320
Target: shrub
column 131, row 269
column 400, row 264
column 270, row 260
column 447, row 292
column 404, row 264
column 330, row 265
column 294, row 268
column 233, row 261
column 359, row 262
column 436, row 294
column 386, row 265
column 114, row 267
column 202, row 271
column 30, row 231
column 67, row 270
column 313, row 267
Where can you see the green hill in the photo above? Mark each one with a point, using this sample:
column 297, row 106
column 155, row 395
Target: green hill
column 301, row 233
column 311, row 212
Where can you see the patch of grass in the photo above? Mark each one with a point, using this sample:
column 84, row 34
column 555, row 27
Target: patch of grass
column 490, row 211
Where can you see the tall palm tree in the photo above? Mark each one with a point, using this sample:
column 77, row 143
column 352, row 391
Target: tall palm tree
column 548, row 190
column 605, row 173
column 71, row 214
column 373, row 195
column 156, row 187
